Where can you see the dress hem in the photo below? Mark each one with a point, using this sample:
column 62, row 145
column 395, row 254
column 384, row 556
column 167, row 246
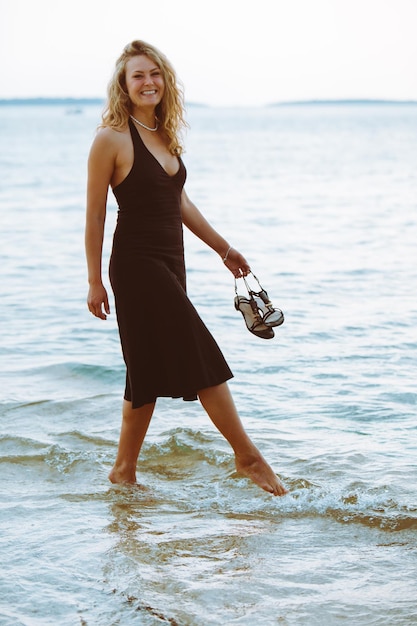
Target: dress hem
column 186, row 397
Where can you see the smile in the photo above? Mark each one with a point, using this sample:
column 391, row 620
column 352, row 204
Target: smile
column 149, row 92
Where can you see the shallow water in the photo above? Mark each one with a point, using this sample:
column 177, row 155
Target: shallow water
column 322, row 201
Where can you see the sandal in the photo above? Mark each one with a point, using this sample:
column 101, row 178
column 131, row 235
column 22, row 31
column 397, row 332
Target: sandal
column 257, row 310
column 270, row 316
column 253, row 320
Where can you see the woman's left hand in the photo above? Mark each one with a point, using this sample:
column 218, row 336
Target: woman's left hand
column 237, row 264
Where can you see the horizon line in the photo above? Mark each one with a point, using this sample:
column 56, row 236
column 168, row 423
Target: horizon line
column 37, row 100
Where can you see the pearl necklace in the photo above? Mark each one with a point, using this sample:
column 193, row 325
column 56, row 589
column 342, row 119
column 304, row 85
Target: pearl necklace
column 144, row 125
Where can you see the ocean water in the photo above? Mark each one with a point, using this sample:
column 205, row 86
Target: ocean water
column 322, row 202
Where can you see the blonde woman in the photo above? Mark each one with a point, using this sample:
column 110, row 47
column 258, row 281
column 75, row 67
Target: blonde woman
column 167, row 349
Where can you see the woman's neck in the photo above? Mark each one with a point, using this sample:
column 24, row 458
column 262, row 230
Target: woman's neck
column 146, row 116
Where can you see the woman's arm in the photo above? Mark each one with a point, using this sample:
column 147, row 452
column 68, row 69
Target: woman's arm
column 100, row 170
column 197, row 223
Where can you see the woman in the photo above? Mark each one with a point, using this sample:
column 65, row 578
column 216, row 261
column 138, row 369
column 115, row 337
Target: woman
column 167, row 349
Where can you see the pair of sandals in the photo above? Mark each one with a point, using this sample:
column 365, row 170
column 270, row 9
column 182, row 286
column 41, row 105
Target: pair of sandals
column 258, row 312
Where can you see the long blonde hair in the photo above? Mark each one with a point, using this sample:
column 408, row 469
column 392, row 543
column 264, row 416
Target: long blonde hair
column 170, row 111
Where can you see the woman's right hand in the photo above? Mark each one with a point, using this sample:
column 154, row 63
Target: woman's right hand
column 98, row 301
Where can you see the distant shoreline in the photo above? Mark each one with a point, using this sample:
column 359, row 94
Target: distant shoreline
column 354, row 101
column 77, row 102
column 50, row 101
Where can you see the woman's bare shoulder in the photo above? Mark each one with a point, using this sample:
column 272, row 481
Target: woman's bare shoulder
column 110, row 136
column 109, row 143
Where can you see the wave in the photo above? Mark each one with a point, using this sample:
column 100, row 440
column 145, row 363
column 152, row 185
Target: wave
column 71, row 381
column 192, row 471
column 73, row 449
column 73, row 369
column 199, row 468
column 184, row 451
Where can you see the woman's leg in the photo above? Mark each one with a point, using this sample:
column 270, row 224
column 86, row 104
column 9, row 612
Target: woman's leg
column 219, row 405
column 135, row 424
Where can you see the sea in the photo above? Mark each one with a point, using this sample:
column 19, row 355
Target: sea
column 321, row 198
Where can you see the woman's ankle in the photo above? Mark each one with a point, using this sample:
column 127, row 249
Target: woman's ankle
column 122, row 473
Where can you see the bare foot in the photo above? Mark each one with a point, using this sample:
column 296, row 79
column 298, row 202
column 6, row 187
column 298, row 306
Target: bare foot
column 118, row 476
column 258, row 470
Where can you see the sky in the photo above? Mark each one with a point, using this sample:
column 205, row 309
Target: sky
column 225, row 52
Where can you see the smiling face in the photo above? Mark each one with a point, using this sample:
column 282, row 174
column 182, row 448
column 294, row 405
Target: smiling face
column 144, row 82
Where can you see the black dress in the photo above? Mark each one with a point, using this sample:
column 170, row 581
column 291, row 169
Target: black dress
column 167, row 349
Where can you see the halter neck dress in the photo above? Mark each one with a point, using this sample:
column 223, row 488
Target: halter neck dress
column 167, row 349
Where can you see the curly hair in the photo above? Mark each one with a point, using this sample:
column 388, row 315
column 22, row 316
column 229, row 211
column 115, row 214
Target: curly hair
column 170, row 111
